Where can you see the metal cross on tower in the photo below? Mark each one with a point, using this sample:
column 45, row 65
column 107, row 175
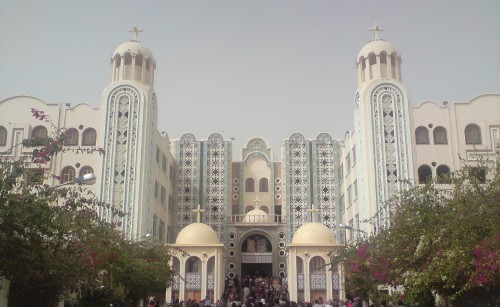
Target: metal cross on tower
column 375, row 31
column 256, row 200
column 198, row 213
column 136, row 31
column 313, row 210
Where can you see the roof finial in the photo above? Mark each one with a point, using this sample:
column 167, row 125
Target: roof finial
column 198, row 213
column 256, row 200
column 313, row 211
column 375, row 31
column 136, row 31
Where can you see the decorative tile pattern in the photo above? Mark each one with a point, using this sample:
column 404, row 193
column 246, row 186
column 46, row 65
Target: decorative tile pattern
column 256, row 258
column 325, row 185
column 193, row 281
column 215, row 184
column 175, row 283
column 122, row 125
column 188, row 187
column 318, row 281
column 335, row 282
column 210, row 281
column 298, row 181
column 390, row 119
column 300, row 281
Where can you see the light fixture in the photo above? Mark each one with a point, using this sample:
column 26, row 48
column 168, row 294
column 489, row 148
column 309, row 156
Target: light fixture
column 86, row 179
column 306, row 253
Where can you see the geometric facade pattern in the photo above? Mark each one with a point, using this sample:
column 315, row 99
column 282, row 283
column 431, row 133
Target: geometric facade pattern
column 210, row 281
column 391, row 144
column 324, row 179
column 335, row 282
column 257, row 258
column 193, row 281
column 297, row 181
column 188, row 180
column 318, row 281
column 215, row 183
column 122, row 126
column 300, row 281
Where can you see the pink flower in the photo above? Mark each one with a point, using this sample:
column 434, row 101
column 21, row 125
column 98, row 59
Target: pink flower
column 40, row 115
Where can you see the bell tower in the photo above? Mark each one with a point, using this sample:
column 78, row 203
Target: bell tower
column 130, row 123
column 382, row 120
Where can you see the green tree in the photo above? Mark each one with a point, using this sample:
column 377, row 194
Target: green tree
column 53, row 244
column 444, row 237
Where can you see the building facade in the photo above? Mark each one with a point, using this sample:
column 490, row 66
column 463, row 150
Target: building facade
column 265, row 215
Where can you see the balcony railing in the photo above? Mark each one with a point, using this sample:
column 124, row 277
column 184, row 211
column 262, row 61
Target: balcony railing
column 261, row 220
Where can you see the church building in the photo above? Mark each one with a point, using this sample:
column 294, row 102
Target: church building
column 255, row 216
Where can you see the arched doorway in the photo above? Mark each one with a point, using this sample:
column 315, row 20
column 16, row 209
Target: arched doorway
column 256, row 256
column 193, row 279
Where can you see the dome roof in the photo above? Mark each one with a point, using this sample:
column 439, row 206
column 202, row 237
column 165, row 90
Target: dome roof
column 313, row 234
column 197, row 234
column 256, row 216
column 376, row 46
column 134, row 48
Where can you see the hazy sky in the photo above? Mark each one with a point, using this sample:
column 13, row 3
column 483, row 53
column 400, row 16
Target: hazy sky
column 246, row 68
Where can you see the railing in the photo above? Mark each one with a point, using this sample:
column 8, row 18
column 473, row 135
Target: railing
column 268, row 219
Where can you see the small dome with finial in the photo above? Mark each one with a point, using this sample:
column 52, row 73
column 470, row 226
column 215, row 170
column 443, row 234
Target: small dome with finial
column 133, row 61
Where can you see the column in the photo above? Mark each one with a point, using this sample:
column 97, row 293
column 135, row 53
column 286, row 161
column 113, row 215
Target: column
column 132, row 71
column 122, row 68
column 389, row 66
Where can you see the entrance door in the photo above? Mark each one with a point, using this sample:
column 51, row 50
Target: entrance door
column 257, row 256
column 257, row 269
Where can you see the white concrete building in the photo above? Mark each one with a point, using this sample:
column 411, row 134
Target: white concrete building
column 259, row 210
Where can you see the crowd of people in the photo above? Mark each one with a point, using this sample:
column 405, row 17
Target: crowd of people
column 255, row 289
column 262, row 291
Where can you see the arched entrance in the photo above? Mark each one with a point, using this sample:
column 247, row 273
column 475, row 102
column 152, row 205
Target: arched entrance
column 257, row 256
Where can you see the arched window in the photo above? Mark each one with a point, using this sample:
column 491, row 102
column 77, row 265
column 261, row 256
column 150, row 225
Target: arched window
column 424, row 173
column 89, row 137
column 443, row 174
column 68, row 174
column 317, row 264
column 118, row 60
column 71, row 137
column 440, row 135
column 249, row 185
column 138, row 60
column 86, row 170
column 39, row 132
column 193, row 265
column 248, row 209
column 127, row 59
column 263, row 185
column 473, row 134
column 422, row 135
column 3, row 136
column 265, row 209
column 372, row 59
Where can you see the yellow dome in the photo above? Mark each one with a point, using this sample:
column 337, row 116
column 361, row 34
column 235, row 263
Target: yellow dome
column 315, row 234
column 257, row 216
column 197, row 234
column 376, row 47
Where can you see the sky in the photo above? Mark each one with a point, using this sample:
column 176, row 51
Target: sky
column 249, row 68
